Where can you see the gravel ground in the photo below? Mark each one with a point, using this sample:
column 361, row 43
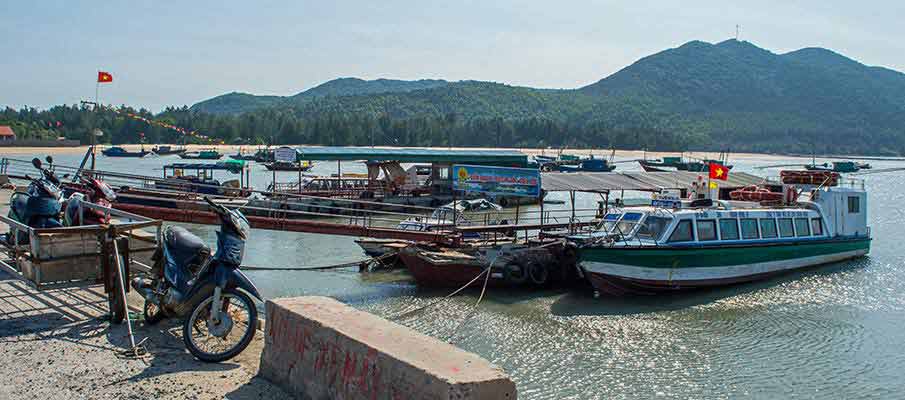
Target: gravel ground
column 53, row 345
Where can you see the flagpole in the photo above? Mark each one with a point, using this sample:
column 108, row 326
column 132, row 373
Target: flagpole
column 97, row 86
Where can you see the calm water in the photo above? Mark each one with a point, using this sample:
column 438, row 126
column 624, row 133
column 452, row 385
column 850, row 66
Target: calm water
column 833, row 332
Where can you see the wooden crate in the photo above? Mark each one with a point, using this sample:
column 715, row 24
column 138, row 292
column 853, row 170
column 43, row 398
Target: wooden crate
column 63, row 257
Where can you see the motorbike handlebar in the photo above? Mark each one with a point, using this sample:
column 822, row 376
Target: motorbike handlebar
column 219, row 209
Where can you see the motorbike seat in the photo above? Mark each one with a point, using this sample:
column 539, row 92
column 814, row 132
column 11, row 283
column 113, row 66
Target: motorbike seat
column 183, row 245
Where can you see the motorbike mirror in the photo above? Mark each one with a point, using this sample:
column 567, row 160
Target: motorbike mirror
column 49, row 159
column 36, row 162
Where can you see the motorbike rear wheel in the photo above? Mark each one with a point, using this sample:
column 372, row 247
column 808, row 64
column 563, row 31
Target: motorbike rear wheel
column 219, row 342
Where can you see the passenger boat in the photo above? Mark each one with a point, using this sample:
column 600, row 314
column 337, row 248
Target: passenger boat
column 289, row 166
column 683, row 244
column 588, row 165
column 117, row 151
column 168, row 150
column 201, row 155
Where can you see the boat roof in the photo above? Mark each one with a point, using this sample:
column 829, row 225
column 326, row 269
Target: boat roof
column 641, row 181
column 508, row 158
column 234, row 166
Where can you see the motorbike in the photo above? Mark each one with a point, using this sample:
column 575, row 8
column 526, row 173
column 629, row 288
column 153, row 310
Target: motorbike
column 210, row 292
column 39, row 206
column 88, row 189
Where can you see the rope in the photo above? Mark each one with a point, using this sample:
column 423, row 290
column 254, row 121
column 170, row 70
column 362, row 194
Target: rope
column 320, row 268
column 473, row 308
column 447, row 297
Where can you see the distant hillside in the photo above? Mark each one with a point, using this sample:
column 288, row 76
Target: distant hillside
column 237, row 103
column 698, row 96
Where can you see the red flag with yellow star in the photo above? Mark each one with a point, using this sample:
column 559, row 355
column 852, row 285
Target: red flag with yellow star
column 104, row 77
column 719, row 171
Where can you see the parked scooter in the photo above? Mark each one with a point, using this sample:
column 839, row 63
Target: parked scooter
column 186, row 281
column 39, row 206
column 92, row 190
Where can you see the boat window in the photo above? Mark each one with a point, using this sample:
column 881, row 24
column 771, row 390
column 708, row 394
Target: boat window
column 854, row 205
column 653, row 228
column 749, row 228
column 786, row 228
column 683, row 232
column 628, row 222
column 817, row 227
column 706, row 229
column 802, row 227
column 729, row 229
column 768, row 228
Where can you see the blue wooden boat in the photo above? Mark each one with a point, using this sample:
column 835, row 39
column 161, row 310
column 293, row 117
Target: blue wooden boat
column 117, row 151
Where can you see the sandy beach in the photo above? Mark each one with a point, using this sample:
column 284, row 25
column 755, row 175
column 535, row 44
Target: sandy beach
column 233, row 149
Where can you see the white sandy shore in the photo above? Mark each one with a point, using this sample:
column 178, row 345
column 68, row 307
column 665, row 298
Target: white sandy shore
column 232, row 149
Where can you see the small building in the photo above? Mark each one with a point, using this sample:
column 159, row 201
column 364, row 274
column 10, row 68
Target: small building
column 6, row 133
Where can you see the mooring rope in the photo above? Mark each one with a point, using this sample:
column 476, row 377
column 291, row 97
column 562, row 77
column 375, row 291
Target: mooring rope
column 321, row 268
column 447, row 297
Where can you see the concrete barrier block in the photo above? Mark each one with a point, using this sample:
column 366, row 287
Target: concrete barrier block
column 318, row 348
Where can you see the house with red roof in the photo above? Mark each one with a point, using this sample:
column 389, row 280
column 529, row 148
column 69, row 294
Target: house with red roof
column 6, row 133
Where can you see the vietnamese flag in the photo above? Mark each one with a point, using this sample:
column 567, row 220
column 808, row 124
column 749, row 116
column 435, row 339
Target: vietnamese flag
column 104, row 77
column 719, row 171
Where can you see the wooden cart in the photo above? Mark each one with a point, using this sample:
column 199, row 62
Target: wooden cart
column 82, row 255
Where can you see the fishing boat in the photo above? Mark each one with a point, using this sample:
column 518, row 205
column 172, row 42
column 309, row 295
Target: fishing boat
column 838, row 166
column 588, row 165
column 289, row 166
column 201, row 155
column 168, row 150
column 676, row 244
column 680, row 163
column 117, row 151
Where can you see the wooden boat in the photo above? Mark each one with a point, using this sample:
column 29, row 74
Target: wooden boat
column 666, row 164
column 646, row 250
column 838, row 166
column 536, row 264
column 288, row 166
column 588, row 165
column 117, row 151
column 201, row 155
column 167, row 150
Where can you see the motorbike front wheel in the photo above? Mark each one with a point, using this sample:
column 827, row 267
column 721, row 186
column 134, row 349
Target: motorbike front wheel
column 211, row 341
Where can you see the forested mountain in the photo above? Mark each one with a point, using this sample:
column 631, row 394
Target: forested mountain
column 237, row 103
column 698, row 96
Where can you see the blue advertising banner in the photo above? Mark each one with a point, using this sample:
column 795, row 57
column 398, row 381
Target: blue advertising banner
column 497, row 180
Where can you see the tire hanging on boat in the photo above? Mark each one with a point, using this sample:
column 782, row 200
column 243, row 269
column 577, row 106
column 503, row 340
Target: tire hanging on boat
column 538, row 273
column 515, row 273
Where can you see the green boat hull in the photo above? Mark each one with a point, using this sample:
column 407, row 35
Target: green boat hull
column 620, row 270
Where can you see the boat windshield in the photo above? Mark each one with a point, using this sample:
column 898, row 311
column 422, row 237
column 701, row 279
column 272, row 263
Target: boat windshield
column 609, row 221
column 653, row 228
column 627, row 223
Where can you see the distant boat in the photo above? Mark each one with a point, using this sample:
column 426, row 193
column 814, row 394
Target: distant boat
column 121, row 152
column 288, row 166
column 838, row 166
column 168, row 150
column 588, row 165
column 201, row 155
column 680, row 164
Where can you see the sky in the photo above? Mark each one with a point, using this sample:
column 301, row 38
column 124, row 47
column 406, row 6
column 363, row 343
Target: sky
column 164, row 53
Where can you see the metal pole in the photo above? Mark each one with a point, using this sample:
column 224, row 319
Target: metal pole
column 97, row 86
column 120, row 270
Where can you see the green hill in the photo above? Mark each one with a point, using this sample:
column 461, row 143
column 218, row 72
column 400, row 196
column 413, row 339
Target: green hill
column 698, row 96
column 237, row 103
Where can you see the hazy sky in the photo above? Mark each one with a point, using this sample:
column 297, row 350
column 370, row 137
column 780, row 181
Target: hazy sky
column 173, row 53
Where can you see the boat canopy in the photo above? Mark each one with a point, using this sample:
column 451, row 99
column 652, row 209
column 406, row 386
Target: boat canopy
column 234, row 166
column 641, row 181
column 506, row 158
